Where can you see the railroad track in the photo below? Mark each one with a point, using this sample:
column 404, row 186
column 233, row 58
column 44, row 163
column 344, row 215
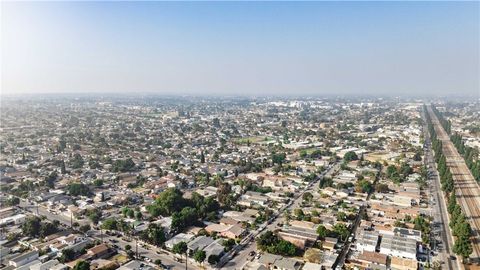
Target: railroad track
column 467, row 189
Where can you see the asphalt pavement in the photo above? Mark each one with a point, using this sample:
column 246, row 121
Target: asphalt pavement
column 241, row 255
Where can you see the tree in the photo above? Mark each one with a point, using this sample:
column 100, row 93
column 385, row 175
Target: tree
column 47, row 228
column 322, row 231
column 307, row 196
column 158, row 262
column 326, row 182
column 98, row 182
column 77, row 161
column 341, row 216
column 31, row 227
column 213, row 259
column 94, row 215
column 278, row 158
column 285, row 248
column 123, row 165
column 180, row 248
column 265, row 240
column 463, row 247
column 85, row 228
column 363, row 186
column 381, row 188
column 299, row 213
column 399, row 224
column 50, row 179
column 391, row 171
column 184, row 218
column 224, row 192
column 199, row 256
column 405, row 169
column 110, row 224
column 62, row 167
column 67, row 255
column 349, row 156
column 128, row 247
column 128, row 212
column 82, row 265
column 154, row 234
column 341, row 230
column 12, row 201
column 77, row 189
column 169, row 201
column 228, row 244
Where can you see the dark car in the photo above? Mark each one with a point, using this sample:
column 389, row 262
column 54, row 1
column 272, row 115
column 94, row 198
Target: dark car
column 453, row 258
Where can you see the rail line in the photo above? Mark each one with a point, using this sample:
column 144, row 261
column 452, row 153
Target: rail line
column 467, row 189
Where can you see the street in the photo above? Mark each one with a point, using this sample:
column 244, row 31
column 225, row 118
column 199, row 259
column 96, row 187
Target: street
column 152, row 252
column 440, row 215
column 243, row 250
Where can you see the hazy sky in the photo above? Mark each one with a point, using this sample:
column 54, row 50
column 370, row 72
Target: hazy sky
column 397, row 48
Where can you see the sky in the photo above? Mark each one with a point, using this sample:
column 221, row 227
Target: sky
column 241, row 48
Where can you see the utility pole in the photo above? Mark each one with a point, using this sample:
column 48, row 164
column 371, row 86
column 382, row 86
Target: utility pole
column 136, row 248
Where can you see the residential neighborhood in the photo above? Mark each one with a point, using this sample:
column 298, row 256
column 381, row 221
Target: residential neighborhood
column 234, row 184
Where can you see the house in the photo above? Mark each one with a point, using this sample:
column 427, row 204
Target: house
column 329, row 243
column 228, row 231
column 78, row 246
column 60, row 266
column 135, row 265
column 215, row 248
column 397, row 263
column 23, row 258
column 72, row 239
column 287, row 264
column 251, row 198
column 98, row 251
column 367, row 241
column 373, row 260
column 28, row 265
column 234, row 232
column 199, row 243
column 165, row 223
column 403, row 200
column 16, row 219
column 181, row 237
column 398, row 246
column 216, row 228
column 311, row 266
column 45, row 266
column 245, row 216
column 408, row 233
column 268, row 259
column 254, row 266
column 299, row 233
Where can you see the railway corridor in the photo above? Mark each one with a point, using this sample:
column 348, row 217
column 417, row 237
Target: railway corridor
column 467, row 189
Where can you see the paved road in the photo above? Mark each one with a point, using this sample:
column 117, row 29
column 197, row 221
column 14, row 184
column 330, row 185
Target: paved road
column 340, row 261
column 467, row 190
column 440, row 215
column 151, row 252
column 243, row 251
